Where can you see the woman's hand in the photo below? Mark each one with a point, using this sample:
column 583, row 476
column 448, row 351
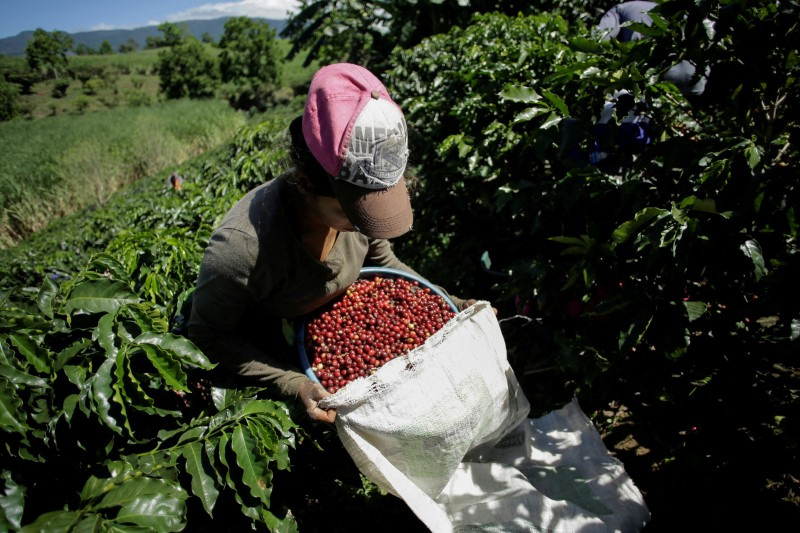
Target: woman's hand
column 310, row 394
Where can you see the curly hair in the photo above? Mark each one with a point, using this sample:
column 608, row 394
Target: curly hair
column 313, row 177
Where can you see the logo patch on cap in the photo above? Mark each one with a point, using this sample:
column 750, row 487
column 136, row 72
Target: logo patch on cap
column 377, row 151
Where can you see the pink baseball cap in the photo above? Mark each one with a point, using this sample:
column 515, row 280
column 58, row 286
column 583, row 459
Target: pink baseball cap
column 359, row 135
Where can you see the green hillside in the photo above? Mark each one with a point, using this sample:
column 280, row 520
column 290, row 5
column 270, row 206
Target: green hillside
column 15, row 45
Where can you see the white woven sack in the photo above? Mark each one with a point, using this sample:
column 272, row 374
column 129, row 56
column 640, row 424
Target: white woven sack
column 551, row 474
column 409, row 425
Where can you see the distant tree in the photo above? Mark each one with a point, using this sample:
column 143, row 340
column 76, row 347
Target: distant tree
column 207, row 38
column 46, row 52
column 82, row 49
column 172, row 34
column 128, row 46
column 151, row 42
column 9, row 99
column 249, row 62
column 186, row 70
column 105, row 48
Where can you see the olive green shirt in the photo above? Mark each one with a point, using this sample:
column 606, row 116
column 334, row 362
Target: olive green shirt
column 256, row 273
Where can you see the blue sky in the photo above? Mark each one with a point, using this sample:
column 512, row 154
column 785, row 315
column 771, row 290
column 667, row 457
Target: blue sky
column 87, row 15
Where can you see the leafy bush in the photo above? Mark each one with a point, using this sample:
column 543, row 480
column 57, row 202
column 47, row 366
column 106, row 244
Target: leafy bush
column 94, row 351
column 137, row 98
column 82, row 103
column 248, row 63
column 367, row 32
column 9, row 99
column 494, row 99
column 186, row 70
column 16, row 71
column 662, row 276
column 92, row 86
column 60, row 88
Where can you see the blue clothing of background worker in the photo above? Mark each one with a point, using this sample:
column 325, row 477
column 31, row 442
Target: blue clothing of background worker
column 682, row 74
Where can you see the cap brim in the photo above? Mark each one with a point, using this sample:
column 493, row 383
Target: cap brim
column 377, row 213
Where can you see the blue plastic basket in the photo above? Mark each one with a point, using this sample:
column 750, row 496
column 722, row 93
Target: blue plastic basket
column 366, row 272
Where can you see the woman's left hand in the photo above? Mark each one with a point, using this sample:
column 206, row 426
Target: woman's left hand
column 310, row 394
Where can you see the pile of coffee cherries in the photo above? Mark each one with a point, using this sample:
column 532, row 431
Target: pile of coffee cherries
column 376, row 320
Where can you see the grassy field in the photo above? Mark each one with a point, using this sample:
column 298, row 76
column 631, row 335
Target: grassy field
column 52, row 167
column 110, row 128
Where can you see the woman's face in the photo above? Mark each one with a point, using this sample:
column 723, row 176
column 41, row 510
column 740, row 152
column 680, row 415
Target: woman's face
column 330, row 212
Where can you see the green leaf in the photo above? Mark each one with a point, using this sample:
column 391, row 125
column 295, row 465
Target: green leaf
column 280, row 419
column 66, row 355
column 551, row 121
column 147, row 317
column 91, row 523
column 102, row 393
column 167, row 367
column 255, row 470
column 695, row 309
column 576, row 241
column 530, row 113
column 106, row 264
column 12, row 503
column 276, row 448
column 632, row 227
column 707, row 205
column 752, row 250
column 557, row 102
column 18, row 377
column 181, row 347
column 69, row 405
column 581, row 44
column 635, row 334
column 12, row 416
column 520, row 93
column 134, row 488
column 118, row 385
column 753, row 156
column 276, row 525
column 47, row 293
column 159, row 512
column 36, row 355
column 99, row 296
column 106, row 337
column 192, row 434
column 222, row 455
column 223, row 397
column 203, row 485
column 53, row 521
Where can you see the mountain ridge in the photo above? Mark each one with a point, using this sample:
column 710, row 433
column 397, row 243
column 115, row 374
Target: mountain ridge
column 15, row 45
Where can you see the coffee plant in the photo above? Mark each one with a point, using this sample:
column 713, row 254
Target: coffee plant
column 97, row 379
column 662, row 273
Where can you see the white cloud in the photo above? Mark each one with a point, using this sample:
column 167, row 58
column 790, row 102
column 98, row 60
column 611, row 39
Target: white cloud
column 102, row 26
column 271, row 9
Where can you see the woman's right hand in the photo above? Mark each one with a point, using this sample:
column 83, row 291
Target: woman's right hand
column 310, row 394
